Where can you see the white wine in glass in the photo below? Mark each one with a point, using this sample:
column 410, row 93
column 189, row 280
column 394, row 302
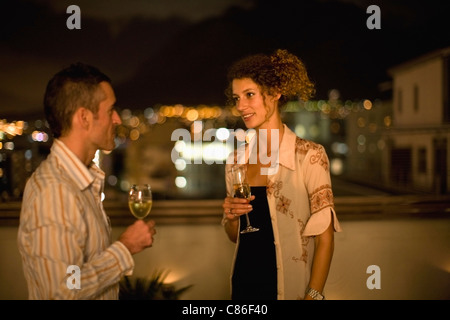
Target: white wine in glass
column 242, row 189
column 140, row 200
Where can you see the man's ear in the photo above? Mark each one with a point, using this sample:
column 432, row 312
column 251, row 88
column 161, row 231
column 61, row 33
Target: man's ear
column 82, row 118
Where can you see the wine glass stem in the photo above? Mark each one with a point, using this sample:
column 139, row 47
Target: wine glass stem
column 248, row 220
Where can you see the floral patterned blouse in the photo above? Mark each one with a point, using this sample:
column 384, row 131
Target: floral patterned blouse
column 301, row 204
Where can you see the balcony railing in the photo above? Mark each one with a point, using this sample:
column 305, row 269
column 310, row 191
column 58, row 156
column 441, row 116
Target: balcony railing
column 210, row 211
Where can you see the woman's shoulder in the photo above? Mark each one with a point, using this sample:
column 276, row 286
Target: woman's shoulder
column 302, row 146
column 310, row 152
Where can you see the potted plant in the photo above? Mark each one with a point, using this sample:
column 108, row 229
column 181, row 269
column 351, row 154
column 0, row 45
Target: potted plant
column 152, row 288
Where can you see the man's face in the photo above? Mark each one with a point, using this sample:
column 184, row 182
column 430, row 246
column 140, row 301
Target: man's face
column 106, row 120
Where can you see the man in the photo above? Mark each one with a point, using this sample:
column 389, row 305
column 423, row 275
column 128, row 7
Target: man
column 63, row 226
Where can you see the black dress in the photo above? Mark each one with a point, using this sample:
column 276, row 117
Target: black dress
column 255, row 268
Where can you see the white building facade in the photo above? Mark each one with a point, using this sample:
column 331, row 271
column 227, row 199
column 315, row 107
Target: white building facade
column 418, row 153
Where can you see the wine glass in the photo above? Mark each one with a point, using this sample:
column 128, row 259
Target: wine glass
column 140, row 200
column 241, row 189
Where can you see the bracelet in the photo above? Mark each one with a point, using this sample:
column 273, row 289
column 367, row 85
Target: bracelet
column 313, row 293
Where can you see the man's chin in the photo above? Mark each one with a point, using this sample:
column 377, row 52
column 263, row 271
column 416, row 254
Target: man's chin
column 109, row 148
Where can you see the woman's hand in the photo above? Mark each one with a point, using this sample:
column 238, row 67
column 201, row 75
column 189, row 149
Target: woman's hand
column 235, row 207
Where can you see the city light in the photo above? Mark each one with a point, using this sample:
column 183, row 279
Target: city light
column 212, row 152
column 222, row 134
column 11, row 129
column 180, row 182
column 180, row 164
column 336, row 166
column 39, row 136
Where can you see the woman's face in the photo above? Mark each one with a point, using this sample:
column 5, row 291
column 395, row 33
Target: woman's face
column 257, row 110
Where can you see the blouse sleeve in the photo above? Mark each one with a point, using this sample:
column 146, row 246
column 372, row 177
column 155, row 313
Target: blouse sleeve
column 318, row 184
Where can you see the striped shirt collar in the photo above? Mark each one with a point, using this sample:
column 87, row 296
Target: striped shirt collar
column 83, row 176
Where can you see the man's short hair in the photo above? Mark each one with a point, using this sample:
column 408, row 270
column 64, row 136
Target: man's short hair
column 73, row 87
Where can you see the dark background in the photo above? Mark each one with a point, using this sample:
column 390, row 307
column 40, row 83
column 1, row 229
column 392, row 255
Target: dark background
column 167, row 52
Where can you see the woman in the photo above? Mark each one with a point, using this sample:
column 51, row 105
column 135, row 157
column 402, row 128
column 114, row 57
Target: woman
column 292, row 200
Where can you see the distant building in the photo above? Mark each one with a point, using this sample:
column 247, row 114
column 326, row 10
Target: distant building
column 366, row 160
column 417, row 157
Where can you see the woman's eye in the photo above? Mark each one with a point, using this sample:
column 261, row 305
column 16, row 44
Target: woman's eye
column 250, row 94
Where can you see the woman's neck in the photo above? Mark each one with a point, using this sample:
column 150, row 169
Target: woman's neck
column 270, row 133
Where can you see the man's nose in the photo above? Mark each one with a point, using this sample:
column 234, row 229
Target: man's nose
column 116, row 118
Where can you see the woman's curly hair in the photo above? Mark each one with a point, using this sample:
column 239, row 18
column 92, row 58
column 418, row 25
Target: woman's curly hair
column 282, row 72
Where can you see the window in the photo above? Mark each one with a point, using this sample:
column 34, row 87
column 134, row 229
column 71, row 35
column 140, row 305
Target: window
column 416, row 98
column 422, row 160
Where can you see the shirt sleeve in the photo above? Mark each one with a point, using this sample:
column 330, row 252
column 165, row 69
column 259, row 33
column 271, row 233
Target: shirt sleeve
column 318, row 184
column 54, row 238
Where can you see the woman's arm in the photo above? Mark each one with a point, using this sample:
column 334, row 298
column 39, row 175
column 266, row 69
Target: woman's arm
column 323, row 255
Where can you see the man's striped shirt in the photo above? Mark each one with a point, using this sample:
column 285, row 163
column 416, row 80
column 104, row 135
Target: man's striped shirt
column 62, row 224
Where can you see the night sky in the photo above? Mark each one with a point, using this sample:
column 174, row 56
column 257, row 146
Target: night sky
column 167, row 52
